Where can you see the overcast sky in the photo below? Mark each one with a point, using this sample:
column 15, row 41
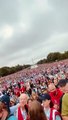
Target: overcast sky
column 30, row 29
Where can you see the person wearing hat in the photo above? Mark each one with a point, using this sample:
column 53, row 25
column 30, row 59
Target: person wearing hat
column 6, row 100
column 51, row 113
column 5, row 109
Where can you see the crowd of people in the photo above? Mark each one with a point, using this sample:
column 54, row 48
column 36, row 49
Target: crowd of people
column 36, row 94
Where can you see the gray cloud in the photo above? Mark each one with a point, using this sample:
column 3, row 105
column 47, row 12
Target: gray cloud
column 30, row 30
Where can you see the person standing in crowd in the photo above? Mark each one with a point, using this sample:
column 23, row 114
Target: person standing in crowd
column 65, row 104
column 56, row 82
column 61, row 85
column 36, row 111
column 22, row 111
column 34, row 95
column 50, row 112
column 5, row 110
column 29, row 102
column 54, row 92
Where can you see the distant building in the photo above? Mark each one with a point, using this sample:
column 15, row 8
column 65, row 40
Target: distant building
column 34, row 66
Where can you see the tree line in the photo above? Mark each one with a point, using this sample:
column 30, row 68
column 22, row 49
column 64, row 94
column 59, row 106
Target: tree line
column 54, row 56
column 4, row 71
column 51, row 57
